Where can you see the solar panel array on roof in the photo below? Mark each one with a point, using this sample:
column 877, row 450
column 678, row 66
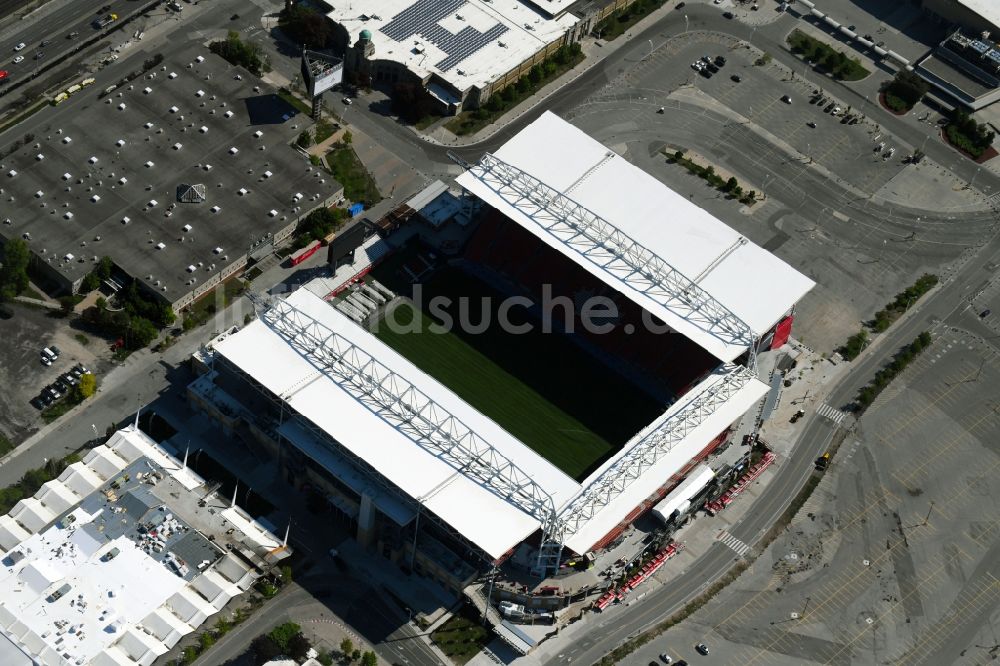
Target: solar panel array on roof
column 994, row 55
column 979, row 47
column 423, row 17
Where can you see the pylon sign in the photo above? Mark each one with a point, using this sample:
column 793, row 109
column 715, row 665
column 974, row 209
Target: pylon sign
column 320, row 72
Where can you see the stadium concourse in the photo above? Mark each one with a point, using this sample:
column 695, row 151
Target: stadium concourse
column 418, row 443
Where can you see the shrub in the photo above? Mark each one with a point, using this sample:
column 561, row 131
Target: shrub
column 854, row 345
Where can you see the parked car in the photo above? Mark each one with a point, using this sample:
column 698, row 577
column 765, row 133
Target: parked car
column 701, row 648
column 55, row 350
column 720, row 61
column 37, row 402
column 712, row 68
column 736, row 78
column 727, row 15
column 666, row 658
column 786, row 99
column 984, row 314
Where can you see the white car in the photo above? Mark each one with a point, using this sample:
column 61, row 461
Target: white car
column 19, row 46
column 18, row 59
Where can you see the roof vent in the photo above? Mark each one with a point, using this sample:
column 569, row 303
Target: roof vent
column 39, row 194
column 187, row 227
column 203, row 129
column 122, row 180
column 174, row 109
column 67, row 140
column 215, row 209
column 126, row 219
column 178, row 146
column 233, row 150
column 228, row 114
column 152, row 203
column 67, row 176
column 272, row 213
column 92, row 160
column 258, row 134
column 147, row 90
column 243, row 191
column 172, row 75
column 148, row 125
column 200, row 59
column 122, row 107
column 39, row 157
column 161, row 246
column 217, row 250
column 95, row 198
column 192, row 268
column 199, row 93
column 120, row 142
column 149, row 164
column 68, row 215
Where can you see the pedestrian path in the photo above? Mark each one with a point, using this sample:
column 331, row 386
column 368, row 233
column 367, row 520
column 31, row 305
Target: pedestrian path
column 829, row 412
column 739, row 547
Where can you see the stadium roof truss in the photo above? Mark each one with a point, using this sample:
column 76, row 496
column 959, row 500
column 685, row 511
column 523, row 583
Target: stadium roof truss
column 410, row 410
column 614, row 251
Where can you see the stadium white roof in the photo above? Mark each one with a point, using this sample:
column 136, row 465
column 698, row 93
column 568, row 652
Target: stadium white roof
column 987, row 9
column 667, row 465
column 465, row 42
column 481, row 516
column 476, row 512
column 758, row 287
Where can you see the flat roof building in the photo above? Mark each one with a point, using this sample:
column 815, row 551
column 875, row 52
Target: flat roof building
column 173, row 175
column 462, row 51
column 117, row 559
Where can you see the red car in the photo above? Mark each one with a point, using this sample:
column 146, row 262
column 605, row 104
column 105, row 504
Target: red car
column 4, row 74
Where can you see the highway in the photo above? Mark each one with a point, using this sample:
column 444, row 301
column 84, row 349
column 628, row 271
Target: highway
column 59, row 20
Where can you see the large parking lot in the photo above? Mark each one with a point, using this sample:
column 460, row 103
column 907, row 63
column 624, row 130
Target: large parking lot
column 894, row 558
column 22, row 374
column 834, row 208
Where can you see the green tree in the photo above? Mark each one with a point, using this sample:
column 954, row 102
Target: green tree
column 87, row 385
column 90, row 282
column 264, row 649
column 369, row 658
column 14, row 273
column 206, row 640
column 140, row 333
column 731, row 184
column 356, row 655
column 305, row 139
column 283, row 633
column 346, row 647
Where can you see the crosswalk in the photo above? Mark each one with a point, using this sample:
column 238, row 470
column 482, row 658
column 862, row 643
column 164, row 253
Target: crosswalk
column 829, row 412
column 728, row 539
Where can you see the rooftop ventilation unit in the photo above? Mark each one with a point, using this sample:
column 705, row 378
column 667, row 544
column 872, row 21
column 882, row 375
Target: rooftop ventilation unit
column 272, row 213
column 267, row 174
column 147, row 90
column 39, row 194
column 122, row 107
column 120, row 142
column 174, row 109
column 92, row 160
column 200, row 59
column 68, row 257
column 95, row 198
column 297, row 196
column 148, row 125
column 172, row 75
column 217, row 250
column 67, row 176
column 243, row 191
column 233, row 150
column 228, row 114
column 258, row 134
column 67, row 140
column 206, row 167
column 187, row 227
column 199, row 93
column 215, row 209
column 11, row 173
column 68, row 215
column 39, row 157
column 152, row 203
column 149, row 164
column 126, row 219
column 161, row 246
column 203, row 129
column 122, row 180
column 178, row 146
column 192, row 268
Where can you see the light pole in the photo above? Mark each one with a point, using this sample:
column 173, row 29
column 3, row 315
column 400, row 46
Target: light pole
column 685, row 23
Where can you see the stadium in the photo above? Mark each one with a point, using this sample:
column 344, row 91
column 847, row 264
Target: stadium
column 453, row 450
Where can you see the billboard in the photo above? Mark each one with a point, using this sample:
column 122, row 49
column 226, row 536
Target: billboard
column 321, row 72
